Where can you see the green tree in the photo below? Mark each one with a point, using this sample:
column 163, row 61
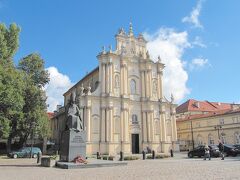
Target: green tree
column 35, row 114
column 11, row 83
column 9, row 43
column 22, row 98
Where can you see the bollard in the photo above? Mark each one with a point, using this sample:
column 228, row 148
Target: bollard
column 98, row 155
column 144, row 155
column 153, row 154
column 121, row 156
column 171, row 151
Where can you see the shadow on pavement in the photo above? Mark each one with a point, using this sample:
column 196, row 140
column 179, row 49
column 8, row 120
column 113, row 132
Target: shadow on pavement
column 19, row 165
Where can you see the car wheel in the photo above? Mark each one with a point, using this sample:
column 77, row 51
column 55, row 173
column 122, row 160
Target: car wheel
column 34, row 156
column 234, row 154
column 14, row 156
column 190, row 155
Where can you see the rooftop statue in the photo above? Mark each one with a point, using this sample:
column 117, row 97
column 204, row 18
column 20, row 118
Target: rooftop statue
column 74, row 121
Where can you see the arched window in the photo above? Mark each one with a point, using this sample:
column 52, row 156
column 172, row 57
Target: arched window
column 134, row 119
column 237, row 137
column 199, row 140
column 133, row 86
column 210, row 139
column 117, row 81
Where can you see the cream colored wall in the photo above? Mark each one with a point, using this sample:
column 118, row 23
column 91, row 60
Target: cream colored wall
column 111, row 106
column 205, row 127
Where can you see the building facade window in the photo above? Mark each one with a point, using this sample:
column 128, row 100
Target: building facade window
column 210, row 139
column 221, row 121
column 133, row 86
column 199, row 140
column 134, row 119
column 117, row 81
column 237, row 137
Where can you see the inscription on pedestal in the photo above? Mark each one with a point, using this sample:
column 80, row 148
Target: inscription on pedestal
column 73, row 144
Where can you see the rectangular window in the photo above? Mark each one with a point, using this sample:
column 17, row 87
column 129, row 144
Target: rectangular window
column 221, row 121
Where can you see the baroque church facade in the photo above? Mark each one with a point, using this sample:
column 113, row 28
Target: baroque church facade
column 122, row 103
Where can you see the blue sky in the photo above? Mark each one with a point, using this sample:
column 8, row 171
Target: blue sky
column 202, row 35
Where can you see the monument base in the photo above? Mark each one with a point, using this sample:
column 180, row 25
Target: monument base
column 91, row 164
column 73, row 144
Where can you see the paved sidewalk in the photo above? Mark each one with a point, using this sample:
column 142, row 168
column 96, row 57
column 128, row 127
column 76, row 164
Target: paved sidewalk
column 180, row 168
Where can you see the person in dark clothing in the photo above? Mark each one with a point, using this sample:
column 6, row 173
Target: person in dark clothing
column 221, row 149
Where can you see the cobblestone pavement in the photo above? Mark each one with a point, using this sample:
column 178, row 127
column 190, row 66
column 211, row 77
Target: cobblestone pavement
column 178, row 168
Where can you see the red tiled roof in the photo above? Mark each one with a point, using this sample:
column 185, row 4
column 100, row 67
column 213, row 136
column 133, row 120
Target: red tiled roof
column 210, row 114
column 203, row 106
column 50, row 115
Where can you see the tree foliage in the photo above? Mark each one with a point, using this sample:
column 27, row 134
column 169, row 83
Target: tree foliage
column 22, row 99
column 11, row 81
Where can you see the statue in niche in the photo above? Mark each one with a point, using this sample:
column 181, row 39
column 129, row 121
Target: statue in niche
column 74, row 121
column 154, row 88
column 117, row 82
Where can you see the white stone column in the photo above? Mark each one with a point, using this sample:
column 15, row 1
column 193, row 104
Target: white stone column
column 146, row 83
column 103, row 76
column 103, row 122
column 111, row 124
column 122, row 79
column 107, row 78
column 122, row 126
column 159, row 75
column 107, row 125
column 152, row 126
column 88, row 112
column 150, row 82
column 126, row 125
column 174, row 128
column 163, row 126
column 110, row 77
column 149, row 124
column 144, row 127
column 143, row 84
column 125, row 80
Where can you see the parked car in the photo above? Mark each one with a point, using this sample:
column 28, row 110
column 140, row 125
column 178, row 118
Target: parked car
column 237, row 146
column 200, row 151
column 230, row 150
column 25, row 152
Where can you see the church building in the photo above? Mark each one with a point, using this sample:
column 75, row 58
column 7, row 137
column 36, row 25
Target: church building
column 122, row 103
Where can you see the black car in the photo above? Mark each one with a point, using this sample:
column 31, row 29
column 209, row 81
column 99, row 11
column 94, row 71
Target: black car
column 200, row 151
column 237, row 146
column 230, row 150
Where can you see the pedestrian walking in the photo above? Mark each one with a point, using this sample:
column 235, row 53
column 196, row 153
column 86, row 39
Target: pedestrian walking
column 207, row 153
column 221, row 149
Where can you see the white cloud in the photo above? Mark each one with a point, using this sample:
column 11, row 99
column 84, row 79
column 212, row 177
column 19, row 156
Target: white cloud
column 198, row 42
column 59, row 84
column 193, row 18
column 170, row 45
column 198, row 63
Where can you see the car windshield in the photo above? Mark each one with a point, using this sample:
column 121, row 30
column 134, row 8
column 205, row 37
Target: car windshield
column 214, row 147
column 229, row 146
column 22, row 150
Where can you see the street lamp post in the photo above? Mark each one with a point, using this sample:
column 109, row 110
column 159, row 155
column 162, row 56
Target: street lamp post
column 192, row 134
column 218, row 127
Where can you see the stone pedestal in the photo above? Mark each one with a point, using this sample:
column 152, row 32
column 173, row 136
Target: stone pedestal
column 73, row 144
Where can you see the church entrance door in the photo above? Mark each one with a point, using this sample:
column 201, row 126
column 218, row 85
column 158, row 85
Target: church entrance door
column 135, row 143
